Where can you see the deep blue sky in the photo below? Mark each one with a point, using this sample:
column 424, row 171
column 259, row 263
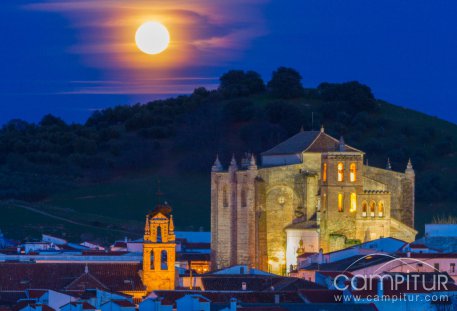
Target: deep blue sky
column 60, row 57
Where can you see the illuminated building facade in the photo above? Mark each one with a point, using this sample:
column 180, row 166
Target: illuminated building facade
column 312, row 192
column 159, row 250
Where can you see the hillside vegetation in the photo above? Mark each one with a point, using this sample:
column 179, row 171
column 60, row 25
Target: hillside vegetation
column 110, row 165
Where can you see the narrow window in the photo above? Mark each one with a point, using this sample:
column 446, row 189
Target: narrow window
column 364, row 209
column 340, row 171
column 159, row 234
column 164, row 260
column 452, row 267
column 324, row 172
column 151, row 260
column 340, row 202
column 243, row 198
column 353, row 202
column 372, row 208
column 225, row 196
column 353, row 172
column 381, row 209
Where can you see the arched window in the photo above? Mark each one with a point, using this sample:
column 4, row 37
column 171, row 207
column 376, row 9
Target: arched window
column 225, row 196
column 352, row 172
column 340, row 171
column 372, row 208
column 324, row 172
column 353, row 202
column 340, row 202
column 151, row 260
column 364, row 209
column 159, row 234
column 164, row 260
column 381, row 209
column 243, row 198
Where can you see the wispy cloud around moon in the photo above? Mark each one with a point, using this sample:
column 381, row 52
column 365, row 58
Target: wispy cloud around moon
column 204, row 33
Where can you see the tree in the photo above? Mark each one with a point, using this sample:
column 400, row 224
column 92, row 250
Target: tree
column 354, row 95
column 286, row 83
column 237, row 83
column 49, row 120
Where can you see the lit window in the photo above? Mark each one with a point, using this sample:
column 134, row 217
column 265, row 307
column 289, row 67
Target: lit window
column 353, row 203
column 324, row 172
column 340, row 171
column 352, row 172
column 381, row 209
column 364, row 209
column 340, row 202
column 372, row 208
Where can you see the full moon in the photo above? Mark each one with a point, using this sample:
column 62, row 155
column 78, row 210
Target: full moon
column 152, row 38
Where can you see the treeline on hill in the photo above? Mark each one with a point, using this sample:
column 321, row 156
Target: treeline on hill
column 244, row 114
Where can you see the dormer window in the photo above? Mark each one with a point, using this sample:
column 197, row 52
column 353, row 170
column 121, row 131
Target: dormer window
column 340, row 171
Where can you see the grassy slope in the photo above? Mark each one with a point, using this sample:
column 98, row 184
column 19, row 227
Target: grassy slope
column 122, row 202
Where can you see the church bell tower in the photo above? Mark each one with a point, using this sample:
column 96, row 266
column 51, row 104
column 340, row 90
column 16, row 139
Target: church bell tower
column 159, row 250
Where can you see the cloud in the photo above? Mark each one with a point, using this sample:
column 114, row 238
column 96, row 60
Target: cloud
column 204, row 34
column 199, row 29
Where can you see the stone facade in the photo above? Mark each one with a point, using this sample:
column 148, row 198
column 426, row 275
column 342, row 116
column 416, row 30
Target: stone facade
column 312, row 188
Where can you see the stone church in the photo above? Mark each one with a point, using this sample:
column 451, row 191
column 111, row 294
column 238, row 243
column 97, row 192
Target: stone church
column 311, row 192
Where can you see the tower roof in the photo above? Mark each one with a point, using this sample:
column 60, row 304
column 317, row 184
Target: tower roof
column 163, row 208
column 309, row 141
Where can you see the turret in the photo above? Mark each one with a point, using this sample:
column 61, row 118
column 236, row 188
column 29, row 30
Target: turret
column 388, row 165
column 233, row 165
column 217, row 166
column 252, row 163
column 409, row 170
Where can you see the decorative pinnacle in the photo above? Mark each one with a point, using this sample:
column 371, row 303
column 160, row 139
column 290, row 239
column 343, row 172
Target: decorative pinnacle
column 217, row 166
column 252, row 163
column 389, row 165
column 233, row 161
column 409, row 165
column 233, row 166
column 342, row 145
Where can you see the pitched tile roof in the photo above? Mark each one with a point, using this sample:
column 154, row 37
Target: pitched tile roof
column 349, row 264
column 254, row 283
column 122, row 303
column 321, row 295
column 170, row 297
column 308, row 141
column 57, row 276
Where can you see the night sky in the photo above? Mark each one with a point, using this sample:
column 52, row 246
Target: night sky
column 71, row 57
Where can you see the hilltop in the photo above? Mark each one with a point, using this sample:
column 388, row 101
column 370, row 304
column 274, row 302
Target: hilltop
column 104, row 173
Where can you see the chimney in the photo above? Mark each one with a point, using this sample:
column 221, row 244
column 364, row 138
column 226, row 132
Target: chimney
column 277, row 299
column 408, row 254
column 233, row 304
column 244, row 286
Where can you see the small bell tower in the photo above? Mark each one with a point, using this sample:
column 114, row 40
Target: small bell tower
column 159, row 249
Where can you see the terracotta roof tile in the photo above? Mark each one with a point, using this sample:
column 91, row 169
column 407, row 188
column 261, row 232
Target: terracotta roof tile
column 57, row 276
